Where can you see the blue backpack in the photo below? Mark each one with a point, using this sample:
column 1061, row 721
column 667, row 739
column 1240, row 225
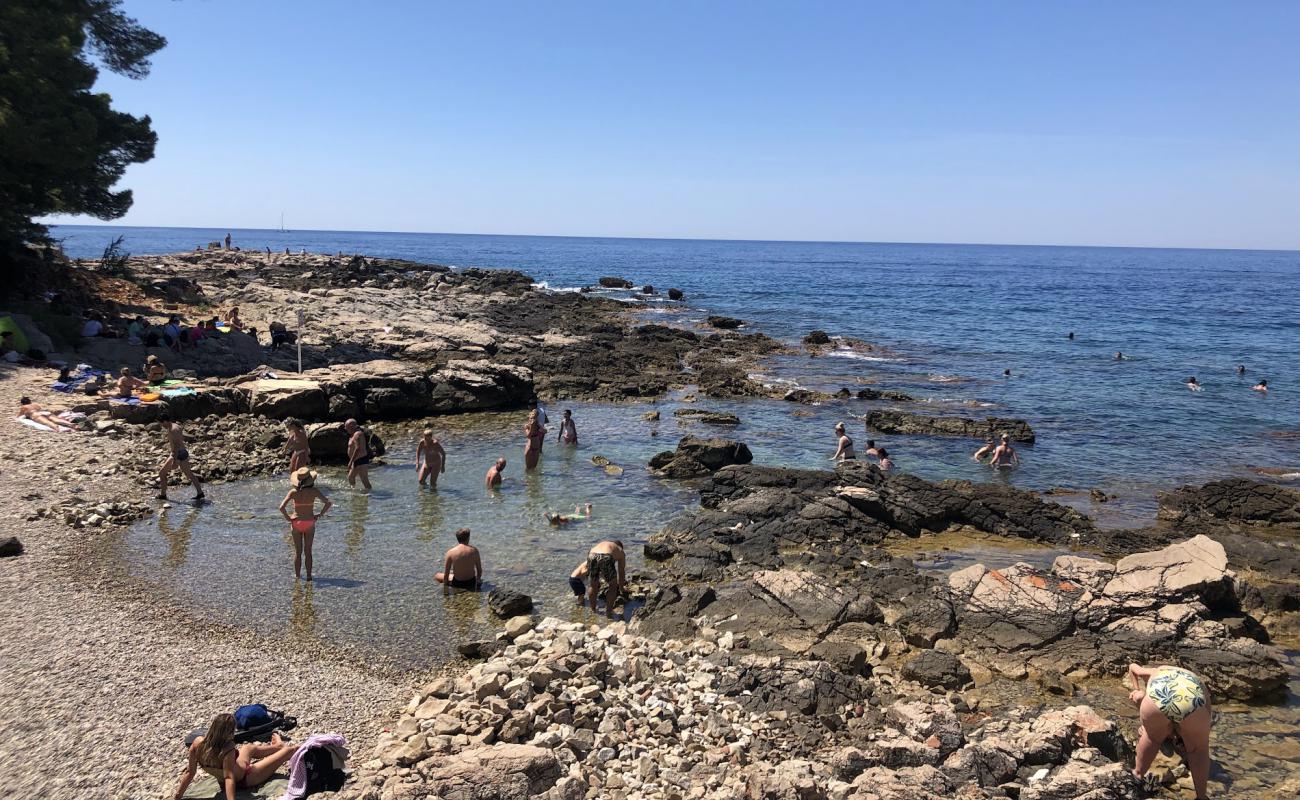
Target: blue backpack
column 252, row 716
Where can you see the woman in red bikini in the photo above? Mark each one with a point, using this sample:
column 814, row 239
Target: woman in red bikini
column 535, row 432
column 244, row 766
column 302, row 525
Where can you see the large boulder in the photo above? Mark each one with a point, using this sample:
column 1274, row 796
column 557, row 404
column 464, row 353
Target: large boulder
column 500, row 772
column 507, row 603
column 281, row 399
column 610, row 282
column 724, row 323
column 1196, row 568
column 696, row 457
column 938, row 669
column 479, row 386
column 329, row 441
column 10, row 547
column 904, row 423
column 1014, row 608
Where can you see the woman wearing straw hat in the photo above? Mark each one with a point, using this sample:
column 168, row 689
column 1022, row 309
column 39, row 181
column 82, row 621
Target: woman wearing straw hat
column 302, row 524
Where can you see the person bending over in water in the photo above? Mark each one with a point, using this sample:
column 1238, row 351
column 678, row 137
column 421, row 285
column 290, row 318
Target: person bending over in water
column 606, row 563
column 845, row 451
column 1193, row 385
column 579, row 513
column 297, row 445
column 494, row 474
column 1172, row 704
column 1262, row 386
column 462, row 568
column 358, row 454
column 576, row 583
column 179, row 458
column 37, row 413
column 235, row 767
column 568, row 431
column 128, row 383
column 1004, row 455
column 430, row 459
column 302, row 524
column 985, row 451
column 886, row 463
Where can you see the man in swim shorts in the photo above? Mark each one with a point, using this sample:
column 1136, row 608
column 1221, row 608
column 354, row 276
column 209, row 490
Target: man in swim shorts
column 606, row 563
column 178, row 457
column 128, row 383
column 462, row 568
column 494, row 474
column 430, row 459
column 1173, row 703
column 358, row 454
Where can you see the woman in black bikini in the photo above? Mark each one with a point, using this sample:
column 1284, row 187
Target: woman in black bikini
column 244, row 766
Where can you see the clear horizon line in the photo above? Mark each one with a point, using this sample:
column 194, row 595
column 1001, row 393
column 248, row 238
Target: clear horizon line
column 694, row 239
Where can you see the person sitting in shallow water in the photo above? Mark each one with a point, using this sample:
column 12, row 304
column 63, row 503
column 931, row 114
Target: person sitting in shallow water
column 1262, row 386
column 463, row 567
column 1172, row 703
column 579, row 513
column 244, row 766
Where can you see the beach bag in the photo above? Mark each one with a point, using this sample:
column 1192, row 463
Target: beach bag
column 251, row 716
column 322, row 775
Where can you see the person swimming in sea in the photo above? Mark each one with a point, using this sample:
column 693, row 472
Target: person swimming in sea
column 302, row 523
column 1262, row 386
column 1006, row 373
column 579, row 514
column 886, row 463
column 493, row 479
column 1120, row 356
column 872, row 451
column 985, row 451
column 845, row 450
column 1193, row 384
column 1241, row 369
column 1004, row 455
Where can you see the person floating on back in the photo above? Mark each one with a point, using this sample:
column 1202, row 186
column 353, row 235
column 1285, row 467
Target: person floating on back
column 462, row 568
column 358, row 455
column 430, row 459
column 494, row 474
column 579, row 513
column 178, row 458
column 302, row 523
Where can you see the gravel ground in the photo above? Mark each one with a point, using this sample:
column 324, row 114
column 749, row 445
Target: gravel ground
column 100, row 681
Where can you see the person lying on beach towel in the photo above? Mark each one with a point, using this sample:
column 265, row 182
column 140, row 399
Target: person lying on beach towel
column 38, row 415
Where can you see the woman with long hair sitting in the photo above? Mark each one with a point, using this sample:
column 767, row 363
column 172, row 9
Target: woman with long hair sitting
column 244, row 766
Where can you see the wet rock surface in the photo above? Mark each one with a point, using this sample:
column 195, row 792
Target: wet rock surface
column 695, row 457
column 909, row 424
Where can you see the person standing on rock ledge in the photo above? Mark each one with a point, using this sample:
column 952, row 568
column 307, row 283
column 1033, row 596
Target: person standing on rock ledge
column 1172, row 704
column 494, row 474
column 358, row 455
column 430, row 459
column 179, row 457
column 462, row 568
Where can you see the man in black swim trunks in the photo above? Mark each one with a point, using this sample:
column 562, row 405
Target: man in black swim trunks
column 606, row 563
column 462, row 569
column 178, row 457
column 358, row 454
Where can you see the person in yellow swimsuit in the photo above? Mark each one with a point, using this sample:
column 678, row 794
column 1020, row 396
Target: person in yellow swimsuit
column 1172, row 703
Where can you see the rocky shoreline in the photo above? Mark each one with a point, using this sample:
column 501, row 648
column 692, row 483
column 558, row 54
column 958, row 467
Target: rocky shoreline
column 783, row 651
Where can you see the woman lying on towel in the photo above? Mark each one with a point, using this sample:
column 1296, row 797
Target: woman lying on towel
column 37, row 414
column 244, row 766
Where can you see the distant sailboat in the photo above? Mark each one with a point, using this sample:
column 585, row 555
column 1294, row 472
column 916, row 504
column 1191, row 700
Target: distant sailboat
column 282, row 230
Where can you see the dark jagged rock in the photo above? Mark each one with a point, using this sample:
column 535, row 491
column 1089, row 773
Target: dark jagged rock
column 884, row 394
column 763, row 684
column 10, row 547
column 708, row 417
column 329, row 442
column 671, row 611
column 1235, row 500
column 507, row 603
column 648, row 289
column 675, row 294
column 610, row 282
column 805, row 396
column 696, row 457
column 724, row 323
column 817, row 338
column 907, row 424
column 938, row 669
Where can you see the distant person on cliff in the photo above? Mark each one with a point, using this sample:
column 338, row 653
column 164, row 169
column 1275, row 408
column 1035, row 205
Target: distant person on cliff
column 1193, row 384
column 568, row 431
column 358, row 455
column 227, row 241
column 534, row 434
column 178, row 458
column 430, row 459
column 886, row 463
column 128, row 383
column 985, row 451
column 302, row 523
column 845, row 450
column 607, row 564
column 494, row 474
column 462, row 568
column 1262, row 386
column 296, row 444
column 1172, row 703
column 1004, row 455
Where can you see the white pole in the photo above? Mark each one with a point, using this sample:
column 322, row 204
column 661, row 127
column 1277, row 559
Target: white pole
column 302, row 319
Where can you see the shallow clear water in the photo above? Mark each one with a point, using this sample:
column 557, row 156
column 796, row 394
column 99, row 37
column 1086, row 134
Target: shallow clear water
column 952, row 317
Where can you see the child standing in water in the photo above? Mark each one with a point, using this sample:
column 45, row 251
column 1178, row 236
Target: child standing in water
column 430, row 459
column 302, row 524
column 568, row 431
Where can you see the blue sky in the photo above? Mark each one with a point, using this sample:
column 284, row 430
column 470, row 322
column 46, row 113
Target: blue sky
column 1153, row 123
